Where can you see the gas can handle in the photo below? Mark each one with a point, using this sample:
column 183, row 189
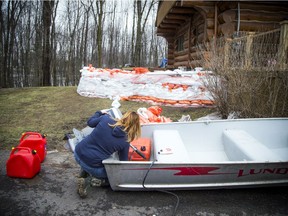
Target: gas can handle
column 20, row 148
column 29, row 133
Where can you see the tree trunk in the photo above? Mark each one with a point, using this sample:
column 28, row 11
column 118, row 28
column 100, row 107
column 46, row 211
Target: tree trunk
column 46, row 55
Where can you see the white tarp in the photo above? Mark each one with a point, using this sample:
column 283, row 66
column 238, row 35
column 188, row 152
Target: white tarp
column 177, row 88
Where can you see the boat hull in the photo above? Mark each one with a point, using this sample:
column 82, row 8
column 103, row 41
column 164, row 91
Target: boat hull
column 148, row 175
column 214, row 157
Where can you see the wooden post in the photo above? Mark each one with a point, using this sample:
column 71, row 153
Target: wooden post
column 248, row 50
column 283, row 46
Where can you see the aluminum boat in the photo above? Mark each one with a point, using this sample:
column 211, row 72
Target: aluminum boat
column 212, row 154
column 207, row 154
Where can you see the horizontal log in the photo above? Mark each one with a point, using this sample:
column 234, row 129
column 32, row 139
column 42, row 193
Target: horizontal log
column 276, row 6
column 249, row 15
column 227, row 16
column 200, row 55
column 166, row 30
column 177, row 17
column 257, row 26
column 169, row 26
column 181, row 64
column 227, row 29
column 192, row 63
column 182, row 10
column 180, row 53
column 189, row 3
column 196, row 63
column 230, row 28
column 173, row 21
column 182, row 58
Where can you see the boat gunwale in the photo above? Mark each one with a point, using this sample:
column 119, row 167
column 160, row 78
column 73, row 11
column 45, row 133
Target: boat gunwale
column 216, row 120
column 114, row 162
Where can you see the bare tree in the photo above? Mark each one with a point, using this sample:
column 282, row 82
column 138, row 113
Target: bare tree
column 46, row 55
column 99, row 19
column 50, row 44
column 140, row 26
column 13, row 11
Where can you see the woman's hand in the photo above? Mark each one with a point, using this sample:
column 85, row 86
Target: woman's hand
column 104, row 111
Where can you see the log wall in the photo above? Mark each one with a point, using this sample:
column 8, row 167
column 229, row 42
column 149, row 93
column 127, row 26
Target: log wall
column 213, row 19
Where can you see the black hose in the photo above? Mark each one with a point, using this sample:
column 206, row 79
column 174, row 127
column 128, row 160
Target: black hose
column 163, row 191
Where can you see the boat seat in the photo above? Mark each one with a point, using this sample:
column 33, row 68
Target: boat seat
column 169, row 147
column 239, row 145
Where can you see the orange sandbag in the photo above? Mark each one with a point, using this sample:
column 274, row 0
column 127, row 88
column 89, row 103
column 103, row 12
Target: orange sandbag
column 140, row 70
column 156, row 110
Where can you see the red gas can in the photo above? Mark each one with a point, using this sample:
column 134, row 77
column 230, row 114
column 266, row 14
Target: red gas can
column 23, row 163
column 34, row 141
column 144, row 146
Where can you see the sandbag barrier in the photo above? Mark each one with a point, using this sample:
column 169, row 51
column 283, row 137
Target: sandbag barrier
column 167, row 102
column 168, row 88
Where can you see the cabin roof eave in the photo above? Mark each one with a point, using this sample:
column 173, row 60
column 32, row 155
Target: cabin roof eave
column 163, row 9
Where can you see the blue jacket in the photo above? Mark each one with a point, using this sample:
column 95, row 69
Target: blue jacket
column 103, row 141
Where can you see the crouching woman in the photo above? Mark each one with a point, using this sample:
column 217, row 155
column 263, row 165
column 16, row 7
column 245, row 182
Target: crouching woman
column 108, row 136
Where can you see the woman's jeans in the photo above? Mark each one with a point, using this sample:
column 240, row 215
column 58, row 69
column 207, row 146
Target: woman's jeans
column 98, row 172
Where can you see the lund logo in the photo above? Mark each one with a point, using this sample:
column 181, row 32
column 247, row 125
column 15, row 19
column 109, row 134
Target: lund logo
column 281, row 171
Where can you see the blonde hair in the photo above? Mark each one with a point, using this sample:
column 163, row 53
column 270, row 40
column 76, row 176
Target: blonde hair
column 130, row 123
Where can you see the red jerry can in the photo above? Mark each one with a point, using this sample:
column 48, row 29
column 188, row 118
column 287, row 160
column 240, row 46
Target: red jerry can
column 144, row 146
column 35, row 141
column 23, row 163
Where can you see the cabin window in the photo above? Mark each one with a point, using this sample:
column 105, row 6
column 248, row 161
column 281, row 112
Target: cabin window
column 180, row 43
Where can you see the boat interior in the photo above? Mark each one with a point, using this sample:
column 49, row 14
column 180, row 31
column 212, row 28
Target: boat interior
column 212, row 142
column 235, row 140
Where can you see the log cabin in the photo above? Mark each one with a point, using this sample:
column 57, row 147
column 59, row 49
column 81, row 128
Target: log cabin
column 186, row 23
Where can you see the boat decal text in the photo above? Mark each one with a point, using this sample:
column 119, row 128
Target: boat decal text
column 200, row 171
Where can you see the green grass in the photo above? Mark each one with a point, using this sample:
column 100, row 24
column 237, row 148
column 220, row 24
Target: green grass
column 55, row 111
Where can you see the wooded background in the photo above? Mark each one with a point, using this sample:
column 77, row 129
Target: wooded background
column 46, row 43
